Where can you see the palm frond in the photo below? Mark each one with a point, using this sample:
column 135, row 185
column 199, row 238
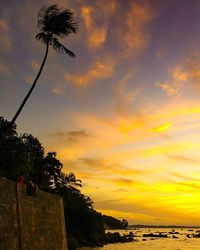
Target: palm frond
column 70, row 179
column 42, row 37
column 60, row 48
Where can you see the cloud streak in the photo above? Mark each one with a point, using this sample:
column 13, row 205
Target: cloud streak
column 72, row 136
column 5, row 39
column 183, row 159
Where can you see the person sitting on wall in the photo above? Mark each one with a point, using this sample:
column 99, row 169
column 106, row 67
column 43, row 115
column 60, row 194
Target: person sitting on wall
column 21, row 178
column 31, row 187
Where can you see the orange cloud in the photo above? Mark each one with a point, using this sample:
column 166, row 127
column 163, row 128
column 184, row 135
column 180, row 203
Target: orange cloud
column 185, row 74
column 96, row 35
column 86, row 15
column 132, row 35
column 178, row 78
column 180, row 75
column 102, row 69
column 170, row 89
column 136, row 35
column 192, row 66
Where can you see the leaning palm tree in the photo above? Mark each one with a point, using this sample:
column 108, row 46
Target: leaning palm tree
column 53, row 23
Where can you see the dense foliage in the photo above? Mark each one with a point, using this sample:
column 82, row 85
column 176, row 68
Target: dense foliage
column 24, row 155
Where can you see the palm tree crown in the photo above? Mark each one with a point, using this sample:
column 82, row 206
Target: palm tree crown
column 55, row 22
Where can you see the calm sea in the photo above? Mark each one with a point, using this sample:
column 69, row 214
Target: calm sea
column 146, row 243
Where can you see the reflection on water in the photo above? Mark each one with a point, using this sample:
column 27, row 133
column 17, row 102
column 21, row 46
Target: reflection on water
column 178, row 239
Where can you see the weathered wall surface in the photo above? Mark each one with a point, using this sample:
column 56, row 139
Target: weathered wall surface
column 38, row 221
column 9, row 233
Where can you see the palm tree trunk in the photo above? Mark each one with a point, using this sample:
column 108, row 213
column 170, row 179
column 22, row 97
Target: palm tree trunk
column 31, row 89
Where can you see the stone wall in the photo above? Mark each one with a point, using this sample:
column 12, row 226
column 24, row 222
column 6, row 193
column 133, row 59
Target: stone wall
column 28, row 222
column 9, row 231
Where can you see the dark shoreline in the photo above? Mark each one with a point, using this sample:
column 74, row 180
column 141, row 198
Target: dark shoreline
column 131, row 236
column 132, row 227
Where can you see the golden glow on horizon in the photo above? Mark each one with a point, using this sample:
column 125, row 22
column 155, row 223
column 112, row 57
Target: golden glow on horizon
column 115, row 157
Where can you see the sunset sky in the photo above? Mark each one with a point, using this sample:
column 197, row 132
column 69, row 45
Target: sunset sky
column 124, row 115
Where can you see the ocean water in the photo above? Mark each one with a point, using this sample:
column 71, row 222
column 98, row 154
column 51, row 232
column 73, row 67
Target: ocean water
column 150, row 243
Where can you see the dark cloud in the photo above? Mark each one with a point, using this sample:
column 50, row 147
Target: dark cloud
column 184, row 181
column 72, row 136
column 183, row 177
column 94, row 162
column 121, row 190
column 101, row 165
column 182, row 158
column 122, row 205
column 123, row 181
column 191, row 185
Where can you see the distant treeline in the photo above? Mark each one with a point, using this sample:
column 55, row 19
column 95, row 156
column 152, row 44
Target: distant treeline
column 24, row 155
column 160, row 226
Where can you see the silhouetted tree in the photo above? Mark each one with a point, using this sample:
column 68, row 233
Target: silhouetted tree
column 69, row 181
column 4, row 124
column 51, row 171
column 124, row 223
column 18, row 154
column 53, row 23
column 35, row 153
